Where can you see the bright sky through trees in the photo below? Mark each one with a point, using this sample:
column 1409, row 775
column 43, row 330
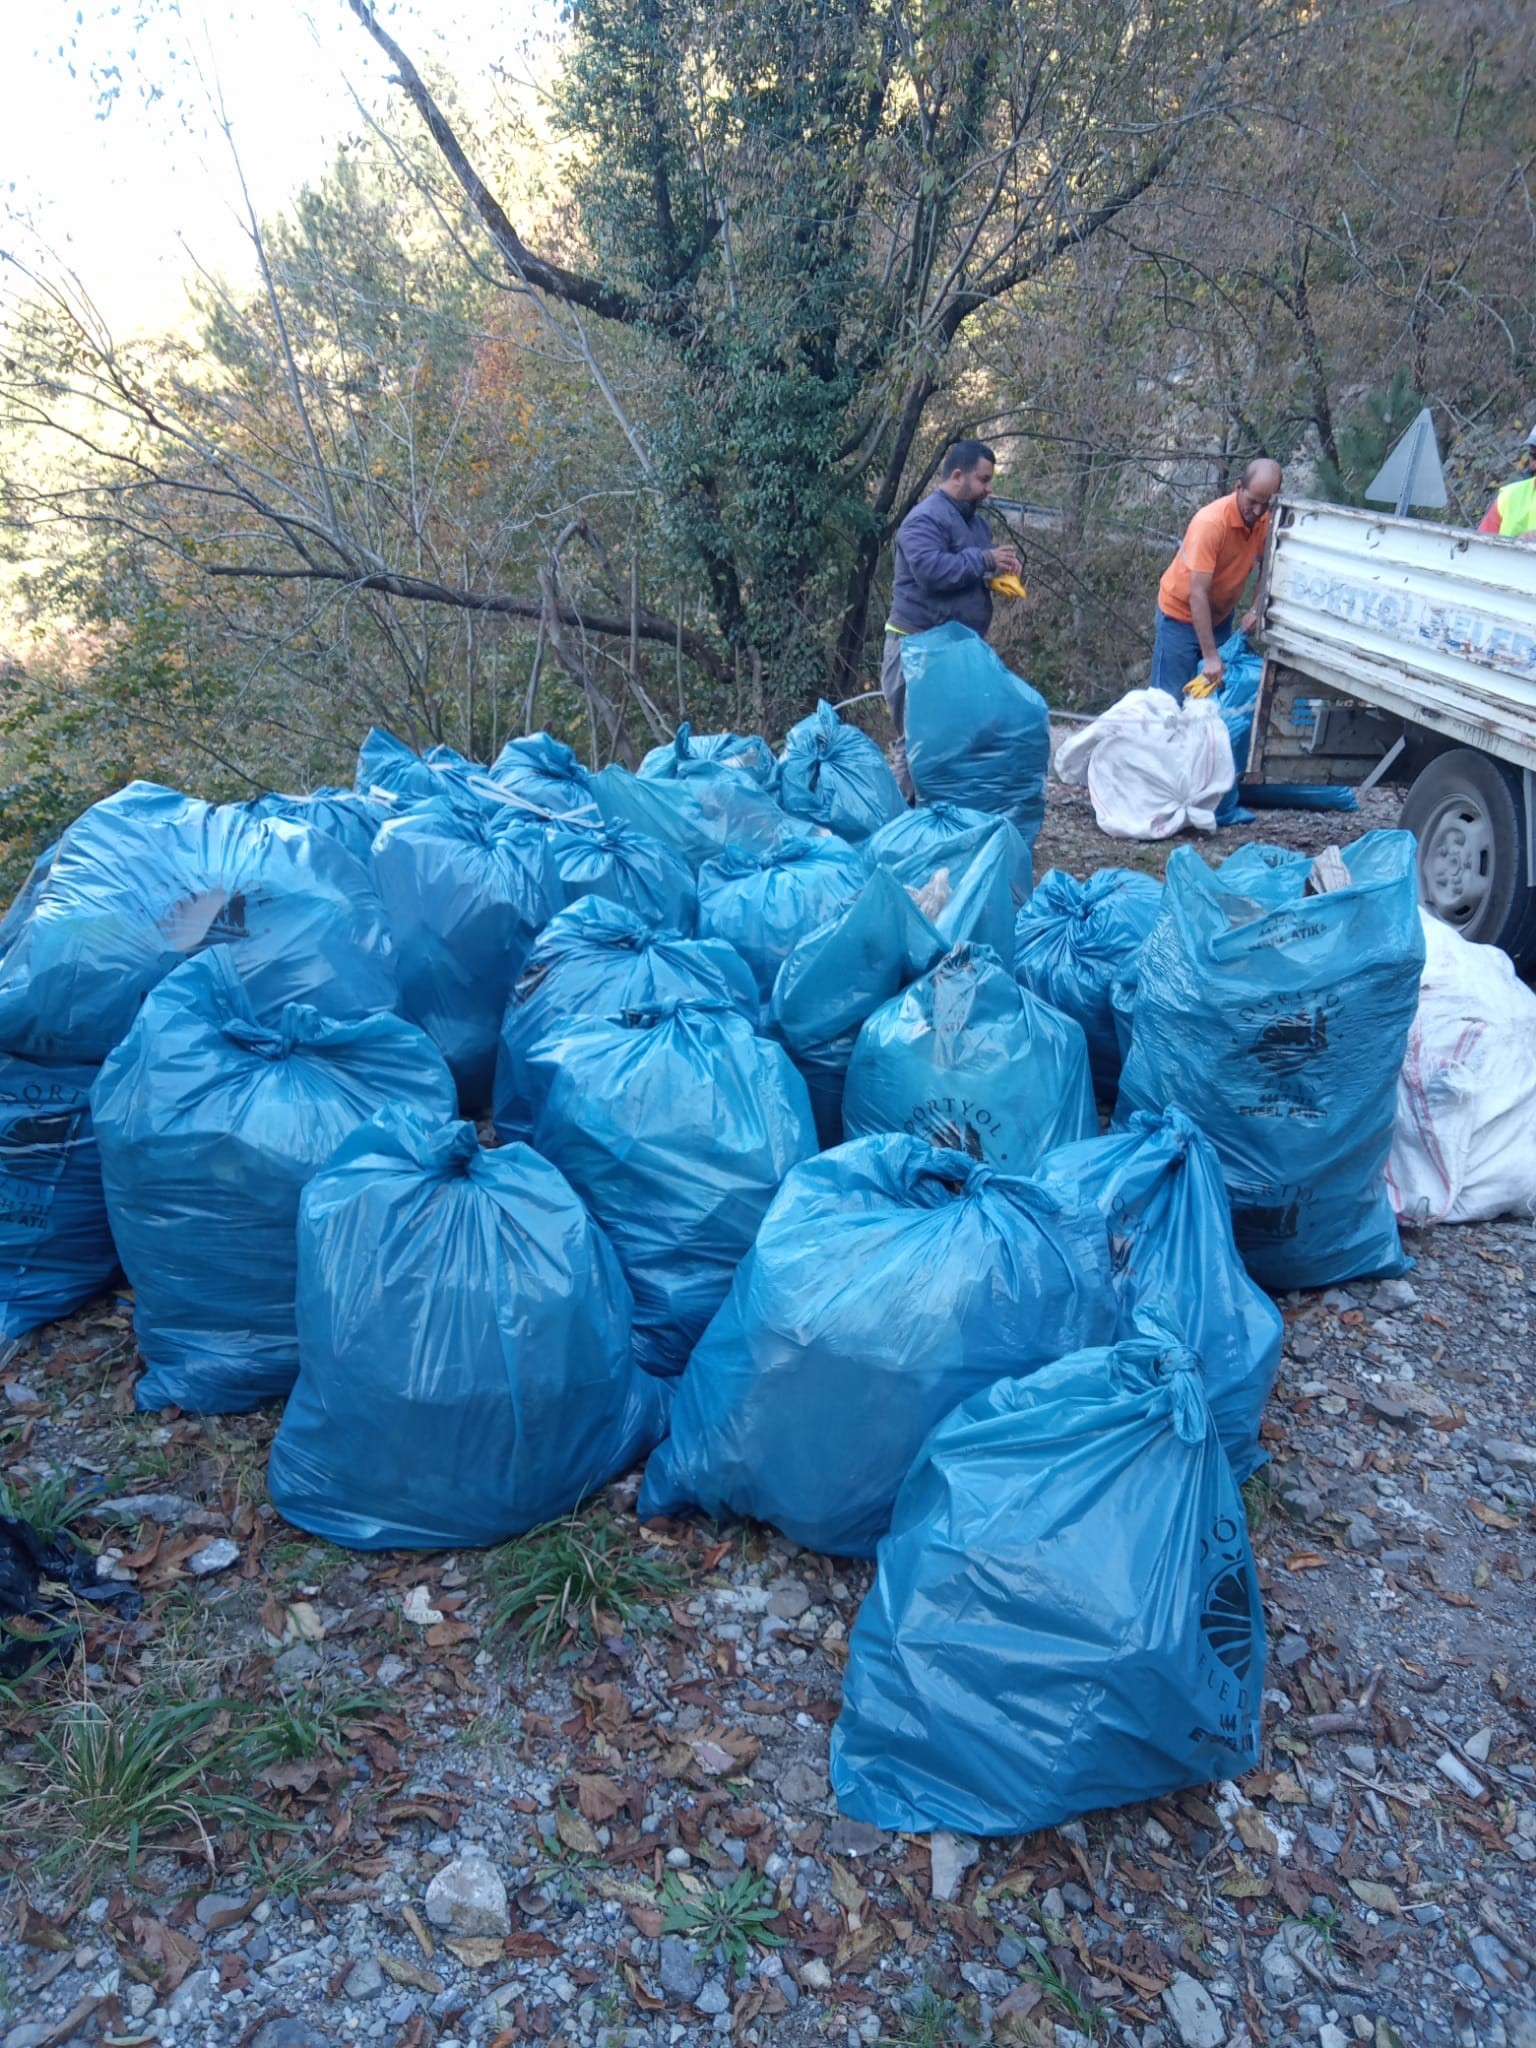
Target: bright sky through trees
column 124, row 197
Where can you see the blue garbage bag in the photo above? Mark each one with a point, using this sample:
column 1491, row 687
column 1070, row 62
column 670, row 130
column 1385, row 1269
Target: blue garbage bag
column 836, row 776
column 595, row 960
column 147, row 878
column 1066, row 1616
column 837, row 978
column 764, row 902
column 387, row 767
column 699, row 813
column 56, row 1247
column 675, row 1124
column 660, row 810
column 1238, row 700
column 210, row 1121
column 889, row 1280
column 969, row 1060
column 1073, row 940
column 743, row 753
column 1278, row 1020
column 627, row 867
column 977, row 734
column 970, row 868
column 464, row 1342
column 545, row 772
column 466, row 894
column 1122, row 1005
column 25, row 900
column 345, row 815
column 1160, row 1189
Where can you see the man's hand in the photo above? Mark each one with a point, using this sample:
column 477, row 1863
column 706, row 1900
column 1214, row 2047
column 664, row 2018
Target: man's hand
column 1249, row 620
column 1003, row 562
column 1213, row 668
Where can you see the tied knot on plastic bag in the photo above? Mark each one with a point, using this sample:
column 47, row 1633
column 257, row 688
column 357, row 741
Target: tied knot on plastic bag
column 647, row 1016
column 1180, row 1370
column 824, row 738
column 293, row 1028
column 459, row 1150
column 951, row 1176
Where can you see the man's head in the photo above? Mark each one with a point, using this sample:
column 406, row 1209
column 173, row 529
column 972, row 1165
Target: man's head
column 1261, row 483
column 966, row 472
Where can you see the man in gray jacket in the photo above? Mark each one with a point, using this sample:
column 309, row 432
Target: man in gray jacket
column 944, row 556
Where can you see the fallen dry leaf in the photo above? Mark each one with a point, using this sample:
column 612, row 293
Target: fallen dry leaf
column 640, row 1991
column 847, row 1890
column 530, row 1946
column 293, row 1774
column 576, row 1833
column 1305, row 1561
column 1255, row 1831
column 1490, row 1518
column 477, row 1951
column 420, row 1929
column 598, row 1797
column 37, row 1931
column 172, row 1953
column 444, row 1635
column 303, row 1624
column 409, row 1973
column 1379, row 1897
column 858, row 1949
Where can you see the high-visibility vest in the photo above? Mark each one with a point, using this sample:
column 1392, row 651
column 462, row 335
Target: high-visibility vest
column 1517, row 508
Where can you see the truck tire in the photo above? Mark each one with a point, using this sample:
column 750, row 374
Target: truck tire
column 1467, row 812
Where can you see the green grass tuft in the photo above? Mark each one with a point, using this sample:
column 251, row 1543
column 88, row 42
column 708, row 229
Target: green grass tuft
column 572, row 1577
column 731, row 1920
column 109, row 1778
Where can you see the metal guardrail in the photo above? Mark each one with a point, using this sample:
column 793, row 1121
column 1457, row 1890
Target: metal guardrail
column 1432, row 624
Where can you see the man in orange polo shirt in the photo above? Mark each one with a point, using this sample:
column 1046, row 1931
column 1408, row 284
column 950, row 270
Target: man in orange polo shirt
column 1203, row 582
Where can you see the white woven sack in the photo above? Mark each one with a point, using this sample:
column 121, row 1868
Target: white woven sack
column 1152, row 764
column 1464, row 1146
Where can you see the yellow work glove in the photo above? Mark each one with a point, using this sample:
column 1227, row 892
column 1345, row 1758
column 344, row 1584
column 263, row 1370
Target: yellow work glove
column 1201, row 686
column 1007, row 586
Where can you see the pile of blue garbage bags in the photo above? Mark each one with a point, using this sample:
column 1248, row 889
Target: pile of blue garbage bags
column 512, row 1125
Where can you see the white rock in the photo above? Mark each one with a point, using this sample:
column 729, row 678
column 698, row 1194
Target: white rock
column 468, row 1897
column 815, row 1976
column 418, row 1608
column 1332, row 2037
column 951, row 1857
column 216, row 1556
column 193, row 1995
column 1193, row 2013
column 1504, row 1452
column 1477, row 1746
column 364, row 1980
column 1281, row 1971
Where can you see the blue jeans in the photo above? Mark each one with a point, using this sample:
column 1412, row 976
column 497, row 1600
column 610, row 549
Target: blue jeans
column 1176, row 655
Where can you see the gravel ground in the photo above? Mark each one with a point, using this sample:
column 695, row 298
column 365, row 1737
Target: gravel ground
column 488, row 1851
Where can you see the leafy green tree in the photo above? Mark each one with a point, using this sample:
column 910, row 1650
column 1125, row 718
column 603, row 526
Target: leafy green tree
column 804, row 208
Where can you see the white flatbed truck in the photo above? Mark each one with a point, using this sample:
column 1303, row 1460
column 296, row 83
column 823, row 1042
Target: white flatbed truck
column 1401, row 651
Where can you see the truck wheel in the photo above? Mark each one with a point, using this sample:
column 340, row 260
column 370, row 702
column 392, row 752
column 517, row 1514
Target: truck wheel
column 1467, row 812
